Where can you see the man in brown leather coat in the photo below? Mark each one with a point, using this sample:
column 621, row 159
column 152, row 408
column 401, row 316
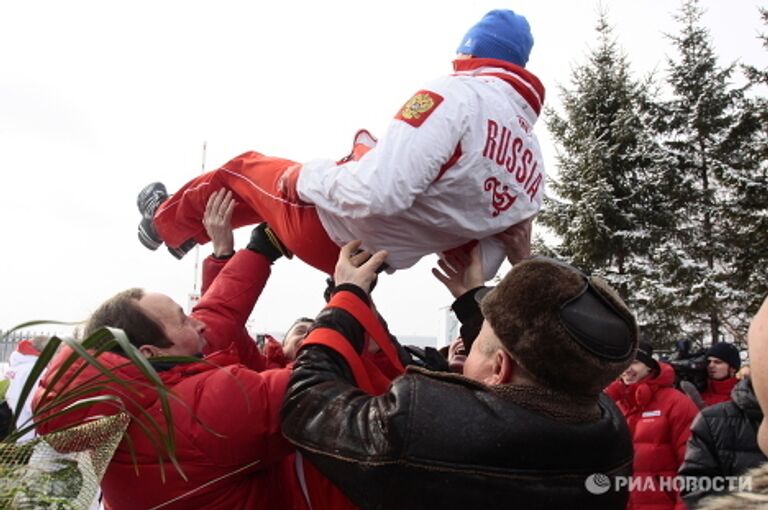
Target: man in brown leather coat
column 528, row 426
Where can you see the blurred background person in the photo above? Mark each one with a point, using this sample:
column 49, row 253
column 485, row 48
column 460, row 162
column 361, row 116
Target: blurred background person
column 723, row 441
column 20, row 364
column 659, row 417
column 723, row 361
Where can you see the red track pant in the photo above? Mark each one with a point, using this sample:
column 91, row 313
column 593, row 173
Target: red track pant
column 252, row 177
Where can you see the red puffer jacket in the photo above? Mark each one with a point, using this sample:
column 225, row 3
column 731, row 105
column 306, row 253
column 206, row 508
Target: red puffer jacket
column 227, row 433
column 227, row 423
column 230, row 291
column 659, row 418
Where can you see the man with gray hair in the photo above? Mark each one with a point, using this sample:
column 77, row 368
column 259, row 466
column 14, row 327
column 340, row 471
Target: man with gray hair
column 527, row 423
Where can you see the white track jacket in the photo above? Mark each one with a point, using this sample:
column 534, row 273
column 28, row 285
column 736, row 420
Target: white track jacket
column 459, row 163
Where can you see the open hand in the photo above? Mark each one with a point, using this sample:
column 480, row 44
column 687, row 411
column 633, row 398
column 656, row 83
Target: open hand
column 461, row 271
column 217, row 221
column 356, row 267
column 517, row 240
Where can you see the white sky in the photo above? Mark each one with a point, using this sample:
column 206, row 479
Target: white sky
column 99, row 98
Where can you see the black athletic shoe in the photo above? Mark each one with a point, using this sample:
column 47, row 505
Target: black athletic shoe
column 183, row 249
column 150, row 198
column 148, row 235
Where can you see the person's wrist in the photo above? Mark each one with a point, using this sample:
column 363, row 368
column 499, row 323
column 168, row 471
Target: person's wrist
column 223, row 250
column 264, row 241
column 354, row 289
column 458, row 290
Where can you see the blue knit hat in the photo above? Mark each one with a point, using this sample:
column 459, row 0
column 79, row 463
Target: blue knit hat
column 501, row 34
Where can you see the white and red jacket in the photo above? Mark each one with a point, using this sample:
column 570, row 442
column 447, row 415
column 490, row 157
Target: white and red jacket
column 20, row 364
column 459, row 163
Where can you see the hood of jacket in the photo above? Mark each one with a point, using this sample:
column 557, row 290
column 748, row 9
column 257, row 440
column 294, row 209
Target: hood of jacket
column 638, row 395
column 24, row 353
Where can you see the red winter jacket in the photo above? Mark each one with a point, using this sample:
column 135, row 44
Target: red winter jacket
column 718, row 391
column 273, row 350
column 227, row 423
column 230, row 290
column 659, row 418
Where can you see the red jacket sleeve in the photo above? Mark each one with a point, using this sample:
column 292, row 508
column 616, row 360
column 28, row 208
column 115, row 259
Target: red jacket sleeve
column 211, row 268
column 227, row 304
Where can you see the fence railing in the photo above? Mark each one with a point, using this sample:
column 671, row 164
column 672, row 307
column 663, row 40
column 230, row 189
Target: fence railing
column 8, row 343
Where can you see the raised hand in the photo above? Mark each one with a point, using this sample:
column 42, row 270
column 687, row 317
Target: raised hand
column 357, row 268
column 461, row 271
column 217, row 220
column 517, row 240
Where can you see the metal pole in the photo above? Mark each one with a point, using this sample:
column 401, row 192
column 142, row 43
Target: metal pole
column 194, row 296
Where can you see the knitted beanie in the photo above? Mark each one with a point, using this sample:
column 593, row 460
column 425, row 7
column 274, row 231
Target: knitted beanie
column 500, row 34
column 726, row 352
column 645, row 354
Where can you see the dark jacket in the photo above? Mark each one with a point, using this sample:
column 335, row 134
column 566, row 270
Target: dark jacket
column 444, row 441
column 723, row 440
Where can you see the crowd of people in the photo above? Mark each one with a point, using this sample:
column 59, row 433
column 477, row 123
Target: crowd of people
column 548, row 398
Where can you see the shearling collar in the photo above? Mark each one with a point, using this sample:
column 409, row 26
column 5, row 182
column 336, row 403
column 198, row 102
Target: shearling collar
column 755, row 499
column 558, row 406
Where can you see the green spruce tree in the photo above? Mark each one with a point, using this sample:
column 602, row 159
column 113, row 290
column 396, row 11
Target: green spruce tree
column 605, row 207
column 709, row 133
column 750, row 215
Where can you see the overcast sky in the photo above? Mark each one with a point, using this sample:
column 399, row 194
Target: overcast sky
column 99, row 98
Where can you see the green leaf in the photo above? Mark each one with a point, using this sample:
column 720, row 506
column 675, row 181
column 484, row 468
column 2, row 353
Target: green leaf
column 60, row 397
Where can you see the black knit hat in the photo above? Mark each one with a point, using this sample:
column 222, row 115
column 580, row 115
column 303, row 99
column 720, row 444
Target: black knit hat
column 645, row 355
column 726, row 352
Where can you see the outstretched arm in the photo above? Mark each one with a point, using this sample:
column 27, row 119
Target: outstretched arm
column 403, row 164
column 232, row 284
column 227, row 304
column 462, row 275
column 326, row 414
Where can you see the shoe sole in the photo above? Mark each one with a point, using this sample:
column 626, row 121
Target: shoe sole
column 183, row 249
column 147, row 238
column 148, row 242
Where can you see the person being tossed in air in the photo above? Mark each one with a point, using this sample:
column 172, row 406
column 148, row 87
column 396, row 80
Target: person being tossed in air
column 459, row 164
